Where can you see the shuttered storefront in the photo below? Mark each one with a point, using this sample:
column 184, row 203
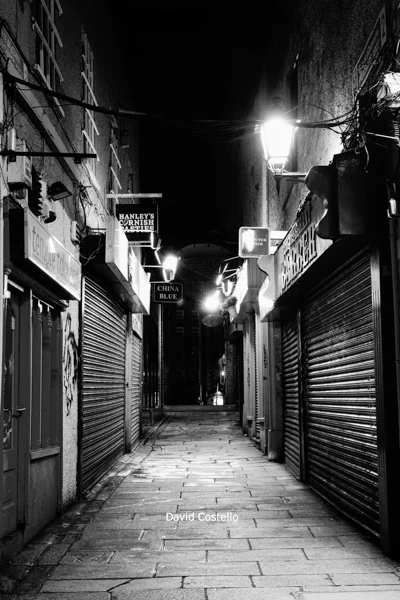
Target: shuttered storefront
column 339, row 379
column 103, row 382
column 290, row 389
column 136, row 384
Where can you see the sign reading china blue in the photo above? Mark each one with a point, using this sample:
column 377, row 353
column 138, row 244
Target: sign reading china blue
column 167, row 292
column 137, row 218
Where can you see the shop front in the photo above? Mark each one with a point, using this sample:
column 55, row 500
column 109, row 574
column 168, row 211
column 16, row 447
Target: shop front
column 42, row 276
column 115, row 288
column 247, row 287
column 328, row 359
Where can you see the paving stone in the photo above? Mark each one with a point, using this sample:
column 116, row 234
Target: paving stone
column 350, row 588
column 164, row 555
column 251, row 594
column 53, row 554
column 104, row 571
column 335, row 529
column 300, row 579
column 217, row 581
column 331, row 553
column 221, row 543
column 273, row 554
column 159, row 594
column 80, row 585
column 62, row 596
column 365, row 579
column 329, row 567
column 272, row 532
column 196, row 568
column 374, row 595
column 71, row 558
column 30, row 554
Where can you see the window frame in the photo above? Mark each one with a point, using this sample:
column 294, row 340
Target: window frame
column 89, row 128
column 48, row 41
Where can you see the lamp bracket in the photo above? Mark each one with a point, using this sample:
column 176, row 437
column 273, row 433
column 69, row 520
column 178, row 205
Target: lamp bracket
column 290, row 176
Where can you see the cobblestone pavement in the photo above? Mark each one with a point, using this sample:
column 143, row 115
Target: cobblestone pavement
column 197, row 513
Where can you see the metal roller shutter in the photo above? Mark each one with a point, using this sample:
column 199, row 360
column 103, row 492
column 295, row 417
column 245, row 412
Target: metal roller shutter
column 290, row 389
column 136, row 374
column 340, row 392
column 103, row 383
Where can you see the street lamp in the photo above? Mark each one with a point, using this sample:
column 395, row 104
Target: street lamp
column 213, row 301
column 277, row 135
column 168, row 266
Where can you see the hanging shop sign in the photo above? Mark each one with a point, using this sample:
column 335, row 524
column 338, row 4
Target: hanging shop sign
column 254, row 242
column 50, row 256
column 301, row 247
column 167, row 292
column 130, row 278
column 137, row 218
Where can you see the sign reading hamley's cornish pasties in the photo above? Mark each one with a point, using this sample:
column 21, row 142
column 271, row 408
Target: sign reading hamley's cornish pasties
column 137, row 218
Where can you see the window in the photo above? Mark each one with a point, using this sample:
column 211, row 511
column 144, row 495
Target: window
column 115, row 163
column 90, row 130
column 48, row 41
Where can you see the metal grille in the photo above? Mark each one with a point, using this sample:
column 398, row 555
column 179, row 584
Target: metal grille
column 103, row 383
column 340, row 392
column 290, row 388
column 136, row 384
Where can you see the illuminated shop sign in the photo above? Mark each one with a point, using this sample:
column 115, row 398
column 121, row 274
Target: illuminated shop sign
column 137, row 218
column 50, row 256
column 254, row 242
column 301, row 246
column 168, row 292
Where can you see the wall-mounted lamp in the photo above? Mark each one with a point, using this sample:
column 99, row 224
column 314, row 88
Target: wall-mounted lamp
column 277, row 135
column 58, row 191
column 168, row 266
column 212, row 302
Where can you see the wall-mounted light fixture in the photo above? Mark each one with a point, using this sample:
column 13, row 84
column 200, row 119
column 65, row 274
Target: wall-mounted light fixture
column 169, row 266
column 212, row 302
column 277, row 135
column 58, row 191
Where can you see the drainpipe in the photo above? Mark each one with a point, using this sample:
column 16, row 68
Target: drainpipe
column 392, row 214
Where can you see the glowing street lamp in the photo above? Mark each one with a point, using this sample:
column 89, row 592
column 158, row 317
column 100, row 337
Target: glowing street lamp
column 277, row 136
column 169, row 267
column 213, row 301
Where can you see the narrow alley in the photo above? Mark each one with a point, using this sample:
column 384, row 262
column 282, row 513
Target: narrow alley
column 196, row 512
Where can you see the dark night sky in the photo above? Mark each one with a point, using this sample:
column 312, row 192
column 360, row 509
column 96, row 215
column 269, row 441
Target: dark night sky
column 192, row 60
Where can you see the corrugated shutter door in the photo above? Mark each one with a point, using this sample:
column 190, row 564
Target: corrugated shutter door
column 136, row 384
column 340, row 392
column 290, row 389
column 103, row 383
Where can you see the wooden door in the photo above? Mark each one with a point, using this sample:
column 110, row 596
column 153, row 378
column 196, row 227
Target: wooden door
column 12, row 414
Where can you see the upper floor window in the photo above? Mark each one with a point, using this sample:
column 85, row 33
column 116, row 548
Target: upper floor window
column 115, row 163
column 48, row 41
column 90, row 130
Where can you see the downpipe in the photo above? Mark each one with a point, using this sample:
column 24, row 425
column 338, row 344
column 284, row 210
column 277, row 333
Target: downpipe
column 393, row 214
